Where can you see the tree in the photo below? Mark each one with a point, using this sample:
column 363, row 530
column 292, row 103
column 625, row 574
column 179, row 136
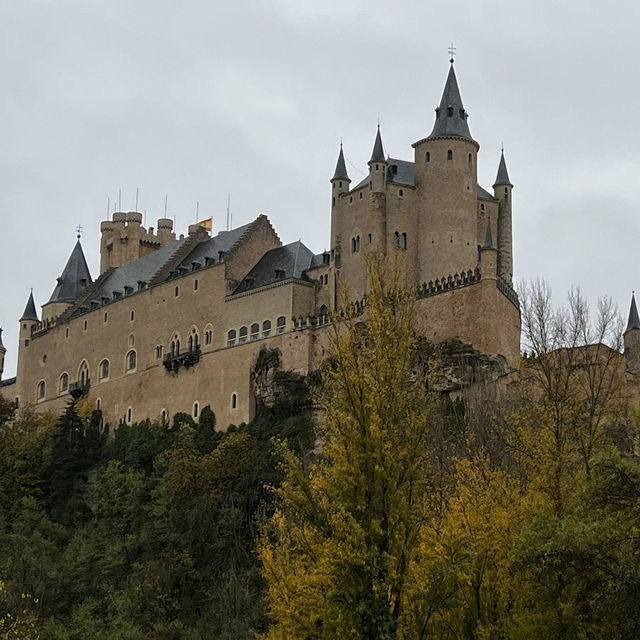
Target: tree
column 350, row 550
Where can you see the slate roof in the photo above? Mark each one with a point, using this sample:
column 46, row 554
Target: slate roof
column 482, row 193
column 634, row 320
column 341, row 169
column 503, row 175
column 75, row 277
column 451, row 117
column 377, row 154
column 288, row 261
column 2, row 347
column 30, row 312
column 488, row 237
column 212, row 247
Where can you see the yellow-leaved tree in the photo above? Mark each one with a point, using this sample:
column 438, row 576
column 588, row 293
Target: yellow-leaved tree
column 353, row 549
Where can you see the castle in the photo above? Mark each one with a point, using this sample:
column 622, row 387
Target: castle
column 175, row 323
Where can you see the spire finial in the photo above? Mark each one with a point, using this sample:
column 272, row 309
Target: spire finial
column 452, row 52
column 79, row 231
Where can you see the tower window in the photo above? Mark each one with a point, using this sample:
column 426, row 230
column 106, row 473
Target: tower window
column 361, row 195
column 333, row 202
column 41, row 391
column 281, row 324
column 175, row 292
column 470, row 160
column 401, row 193
column 266, row 328
column 196, row 409
column 255, row 331
column 131, row 360
column 427, row 157
column 195, row 284
column 450, row 112
column 450, row 154
column 231, row 338
column 104, row 370
column 481, row 207
column 234, row 400
column 340, row 184
column 377, row 167
column 242, row 336
column 64, row 383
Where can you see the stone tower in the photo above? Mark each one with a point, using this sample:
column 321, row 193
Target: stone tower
column 446, row 179
column 28, row 322
column 632, row 339
column 3, row 352
column 502, row 191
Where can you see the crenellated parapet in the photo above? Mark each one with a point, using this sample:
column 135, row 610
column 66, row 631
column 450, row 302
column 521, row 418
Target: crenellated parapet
column 447, row 283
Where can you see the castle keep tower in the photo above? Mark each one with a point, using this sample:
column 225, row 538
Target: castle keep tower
column 446, row 179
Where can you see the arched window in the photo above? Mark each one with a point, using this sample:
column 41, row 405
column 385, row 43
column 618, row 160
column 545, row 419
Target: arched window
column 196, row 409
column 163, row 416
column 470, row 161
column 175, row 345
column 427, row 157
column 83, row 374
column 194, row 340
column 41, row 390
column 103, row 371
column 323, row 313
column 234, row 400
column 450, row 154
column 132, row 339
column 63, row 385
column 353, row 245
column 281, row 324
column 131, row 360
column 208, row 334
column 98, row 404
column 396, row 240
column 158, row 351
column 231, row 338
column 129, row 415
column 266, row 328
column 403, row 241
column 242, row 335
column 255, row 331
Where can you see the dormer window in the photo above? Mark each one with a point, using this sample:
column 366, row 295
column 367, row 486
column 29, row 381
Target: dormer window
column 83, row 282
column 450, row 112
column 463, row 115
column 128, row 291
column 394, row 169
column 279, row 274
column 220, row 255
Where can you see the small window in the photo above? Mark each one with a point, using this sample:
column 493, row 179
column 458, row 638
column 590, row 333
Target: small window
column 350, row 199
column 196, row 409
column 281, row 324
column 370, row 238
column 242, row 335
column 427, row 157
column 175, row 345
column 396, row 240
column 129, row 415
column 106, row 317
column 450, row 154
column 158, row 352
column 394, row 169
column 41, row 390
column 370, row 186
column 163, row 415
column 131, row 360
column 403, row 241
column 104, row 370
column 26, row 342
column 266, row 328
column 377, row 167
column 255, row 331
column 231, row 338
column 175, row 292
column 470, row 159
column 340, row 184
column 333, row 202
column 64, row 383
column 400, row 193
column 208, row 336
column 132, row 339
column 83, row 374
column 194, row 340
column 361, row 195
column 449, row 112
column 98, row 403
column 133, row 315
column 234, row 400
column 481, row 207
column 86, row 324
column 66, row 333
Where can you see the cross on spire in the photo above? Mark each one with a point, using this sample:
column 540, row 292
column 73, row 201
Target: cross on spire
column 452, row 52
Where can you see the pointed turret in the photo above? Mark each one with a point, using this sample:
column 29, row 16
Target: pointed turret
column 451, row 116
column 30, row 310
column 632, row 339
column 502, row 177
column 488, row 237
column 377, row 166
column 3, row 351
column 74, row 279
column 340, row 181
column 341, row 169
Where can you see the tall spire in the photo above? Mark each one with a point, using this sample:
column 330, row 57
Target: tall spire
column 74, row 279
column 488, row 237
column 451, row 117
column 30, row 310
column 341, row 169
column 377, row 155
column 503, row 175
column 634, row 319
column 2, row 348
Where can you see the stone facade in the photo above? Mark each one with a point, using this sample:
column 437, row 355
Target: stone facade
column 173, row 324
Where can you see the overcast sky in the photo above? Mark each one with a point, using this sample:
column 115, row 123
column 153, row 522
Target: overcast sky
column 196, row 99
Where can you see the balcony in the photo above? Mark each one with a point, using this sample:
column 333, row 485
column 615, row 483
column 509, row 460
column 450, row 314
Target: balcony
column 173, row 361
column 79, row 389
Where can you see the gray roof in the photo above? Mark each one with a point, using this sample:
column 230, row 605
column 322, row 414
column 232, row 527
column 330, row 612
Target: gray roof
column 482, row 193
column 74, row 279
column 289, row 261
column 341, row 169
column 30, row 310
column 634, row 320
column 503, row 175
column 451, row 117
column 213, row 247
column 1, row 345
column 377, row 155
column 488, row 237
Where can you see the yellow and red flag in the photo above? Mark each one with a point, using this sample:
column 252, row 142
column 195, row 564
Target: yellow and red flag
column 206, row 224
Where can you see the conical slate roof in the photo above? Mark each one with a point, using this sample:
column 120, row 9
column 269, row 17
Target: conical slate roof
column 30, row 310
column 1, row 345
column 634, row 319
column 341, row 169
column 74, row 279
column 377, row 155
column 451, row 117
column 503, row 175
column 488, row 238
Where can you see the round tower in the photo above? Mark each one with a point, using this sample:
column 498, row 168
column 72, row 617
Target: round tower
column 3, row 352
column 631, row 339
column 377, row 167
column 446, row 183
column 502, row 191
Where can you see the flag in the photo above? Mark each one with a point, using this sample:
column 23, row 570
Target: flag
column 206, row 224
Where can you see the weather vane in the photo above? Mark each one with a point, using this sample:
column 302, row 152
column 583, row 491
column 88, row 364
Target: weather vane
column 452, row 52
column 79, row 231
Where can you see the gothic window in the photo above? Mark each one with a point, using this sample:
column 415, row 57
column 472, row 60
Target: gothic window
column 131, row 360
column 242, row 336
column 104, row 370
column 175, row 345
column 64, row 383
column 208, row 334
column 255, row 331
column 450, row 154
column 158, row 352
column 41, row 390
column 231, row 337
column 266, row 328
column 281, row 324
column 194, row 339
column 83, row 374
